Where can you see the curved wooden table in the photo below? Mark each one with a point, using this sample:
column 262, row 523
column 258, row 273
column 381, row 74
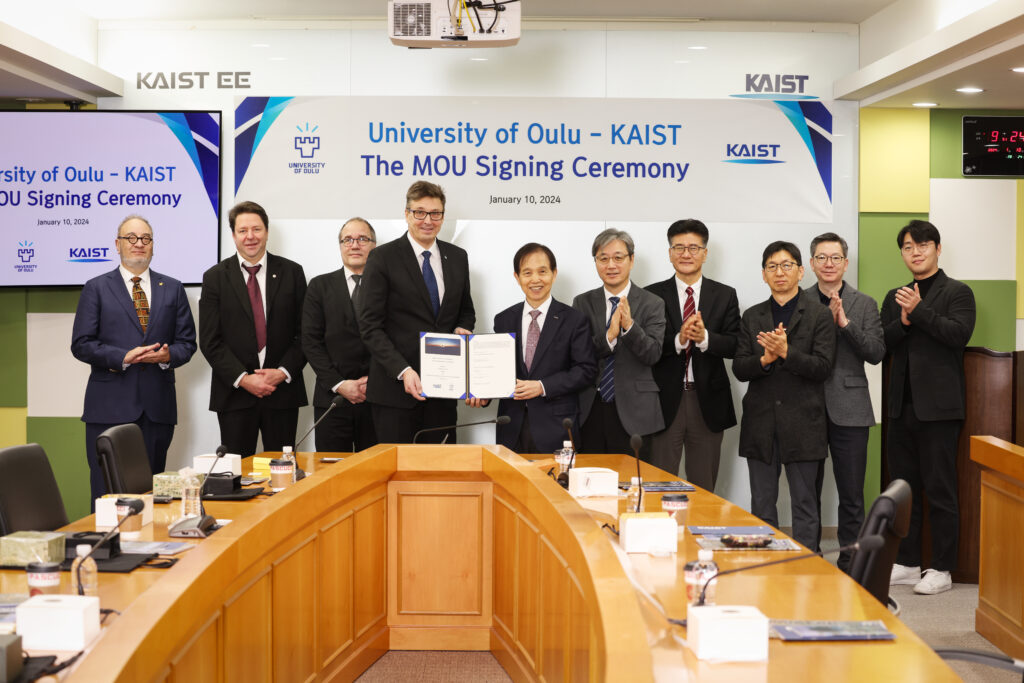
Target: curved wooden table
column 460, row 548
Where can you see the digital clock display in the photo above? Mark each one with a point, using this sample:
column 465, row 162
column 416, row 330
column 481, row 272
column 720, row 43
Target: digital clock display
column 993, row 145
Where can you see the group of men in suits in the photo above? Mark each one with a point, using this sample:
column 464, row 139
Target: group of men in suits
column 622, row 360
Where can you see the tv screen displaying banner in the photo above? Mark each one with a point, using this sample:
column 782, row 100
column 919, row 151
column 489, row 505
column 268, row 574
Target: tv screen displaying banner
column 68, row 179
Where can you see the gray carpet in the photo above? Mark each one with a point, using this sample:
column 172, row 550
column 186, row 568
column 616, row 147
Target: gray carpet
column 435, row 667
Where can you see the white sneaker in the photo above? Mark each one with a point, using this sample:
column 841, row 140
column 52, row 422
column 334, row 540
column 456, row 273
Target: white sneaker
column 905, row 576
column 934, row 581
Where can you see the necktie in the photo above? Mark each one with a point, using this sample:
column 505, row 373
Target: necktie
column 431, row 282
column 141, row 303
column 357, row 293
column 606, row 387
column 689, row 308
column 256, row 301
column 532, row 337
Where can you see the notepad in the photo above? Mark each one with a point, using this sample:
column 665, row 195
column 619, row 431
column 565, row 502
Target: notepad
column 829, row 630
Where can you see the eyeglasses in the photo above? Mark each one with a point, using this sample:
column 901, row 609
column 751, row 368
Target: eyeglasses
column 618, row 259
column 361, row 240
column 921, row 247
column 836, row 259
column 420, row 214
column 133, row 238
column 693, row 249
column 786, row 266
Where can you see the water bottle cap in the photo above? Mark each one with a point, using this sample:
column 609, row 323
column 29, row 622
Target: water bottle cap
column 82, row 549
column 705, row 555
column 567, row 444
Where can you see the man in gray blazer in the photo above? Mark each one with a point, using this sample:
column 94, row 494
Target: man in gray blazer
column 859, row 339
column 785, row 351
column 628, row 327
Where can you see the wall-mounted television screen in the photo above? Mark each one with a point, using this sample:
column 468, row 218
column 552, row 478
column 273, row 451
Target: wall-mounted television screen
column 68, row 179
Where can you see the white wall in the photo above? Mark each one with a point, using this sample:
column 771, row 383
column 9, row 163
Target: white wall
column 582, row 62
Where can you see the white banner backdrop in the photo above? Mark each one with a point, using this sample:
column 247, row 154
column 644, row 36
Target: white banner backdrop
column 540, row 159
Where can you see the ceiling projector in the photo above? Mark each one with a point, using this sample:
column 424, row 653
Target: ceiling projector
column 454, row 23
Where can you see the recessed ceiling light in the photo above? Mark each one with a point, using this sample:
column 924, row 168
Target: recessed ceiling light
column 698, row 47
column 1018, row 69
column 478, row 59
column 260, row 45
column 925, row 104
column 969, row 90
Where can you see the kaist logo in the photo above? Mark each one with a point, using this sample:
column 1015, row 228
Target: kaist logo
column 88, row 254
column 776, row 87
column 752, row 153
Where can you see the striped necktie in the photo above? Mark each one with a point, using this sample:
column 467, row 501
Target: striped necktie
column 606, row 387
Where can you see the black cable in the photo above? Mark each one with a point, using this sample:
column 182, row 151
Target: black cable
column 610, row 528
column 489, row 29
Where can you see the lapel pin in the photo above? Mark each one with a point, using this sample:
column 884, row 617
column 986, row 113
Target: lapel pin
column 159, row 284
column 273, row 275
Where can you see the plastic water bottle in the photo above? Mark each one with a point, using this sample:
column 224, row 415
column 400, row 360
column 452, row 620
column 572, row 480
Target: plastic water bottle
column 697, row 574
column 191, row 505
column 564, row 456
column 633, row 494
column 89, row 572
column 289, row 455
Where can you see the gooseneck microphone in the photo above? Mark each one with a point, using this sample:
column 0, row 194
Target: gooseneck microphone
column 867, row 544
column 563, row 477
column 500, row 420
column 221, row 450
column 635, row 442
column 338, row 400
column 135, row 506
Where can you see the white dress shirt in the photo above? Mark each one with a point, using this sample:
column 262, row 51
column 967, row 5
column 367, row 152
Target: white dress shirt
column 703, row 344
column 435, row 262
column 261, row 280
column 145, row 281
column 608, row 312
column 527, row 319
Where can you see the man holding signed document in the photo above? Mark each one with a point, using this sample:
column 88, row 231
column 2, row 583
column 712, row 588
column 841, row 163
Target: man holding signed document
column 413, row 284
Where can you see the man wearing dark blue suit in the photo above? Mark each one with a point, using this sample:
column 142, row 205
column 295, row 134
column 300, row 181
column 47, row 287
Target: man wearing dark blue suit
column 133, row 326
column 554, row 358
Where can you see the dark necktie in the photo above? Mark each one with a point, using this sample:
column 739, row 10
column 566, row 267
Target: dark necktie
column 431, row 282
column 256, row 301
column 606, row 387
column 141, row 303
column 689, row 308
column 357, row 293
column 532, row 337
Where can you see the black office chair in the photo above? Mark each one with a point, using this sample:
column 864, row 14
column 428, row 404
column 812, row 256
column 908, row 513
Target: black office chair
column 29, row 497
column 889, row 517
column 121, row 451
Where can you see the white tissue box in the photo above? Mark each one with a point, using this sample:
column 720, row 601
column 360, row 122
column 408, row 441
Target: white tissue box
column 728, row 633
column 231, row 463
column 648, row 532
column 58, row 622
column 106, row 509
column 593, row 481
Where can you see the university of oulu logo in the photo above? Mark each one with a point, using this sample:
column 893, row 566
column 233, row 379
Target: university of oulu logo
column 306, row 142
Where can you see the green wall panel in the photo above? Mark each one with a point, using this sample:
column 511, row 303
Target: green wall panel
column 946, row 153
column 996, row 326
column 873, row 475
column 63, row 439
column 53, row 299
column 880, row 266
column 14, row 369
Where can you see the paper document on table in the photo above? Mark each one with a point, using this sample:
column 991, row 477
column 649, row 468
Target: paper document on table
column 443, row 365
column 492, row 365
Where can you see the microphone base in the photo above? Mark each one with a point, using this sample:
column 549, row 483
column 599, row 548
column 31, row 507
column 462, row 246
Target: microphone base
column 563, row 480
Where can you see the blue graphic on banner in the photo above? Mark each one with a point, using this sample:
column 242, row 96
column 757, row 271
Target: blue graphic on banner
column 266, row 109
column 190, row 126
column 774, row 96
column 820, row 147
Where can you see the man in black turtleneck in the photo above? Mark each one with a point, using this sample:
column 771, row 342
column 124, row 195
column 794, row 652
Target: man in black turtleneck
column 927, row 324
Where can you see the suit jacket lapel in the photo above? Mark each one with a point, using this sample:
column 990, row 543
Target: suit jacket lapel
column 797, row 313
column 237, row 281
column 413, row 264
column 120, row 292
column 156, row 301
column 548, row 332
column 673, row 309
column 272, row 282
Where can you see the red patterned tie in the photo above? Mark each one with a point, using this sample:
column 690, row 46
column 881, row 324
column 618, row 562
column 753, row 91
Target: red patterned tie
column 256, row 300
column 141, row 303
column 688, row 310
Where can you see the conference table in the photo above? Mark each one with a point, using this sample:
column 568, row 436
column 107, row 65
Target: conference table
column 458, row 547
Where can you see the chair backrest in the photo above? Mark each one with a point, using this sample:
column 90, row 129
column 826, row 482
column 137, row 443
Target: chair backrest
column 889, row 517
column 121, row 451
column 29, row 497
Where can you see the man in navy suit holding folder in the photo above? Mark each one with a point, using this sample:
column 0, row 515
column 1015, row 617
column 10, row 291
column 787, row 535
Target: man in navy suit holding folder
column 133, row 326
column 554, row 358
